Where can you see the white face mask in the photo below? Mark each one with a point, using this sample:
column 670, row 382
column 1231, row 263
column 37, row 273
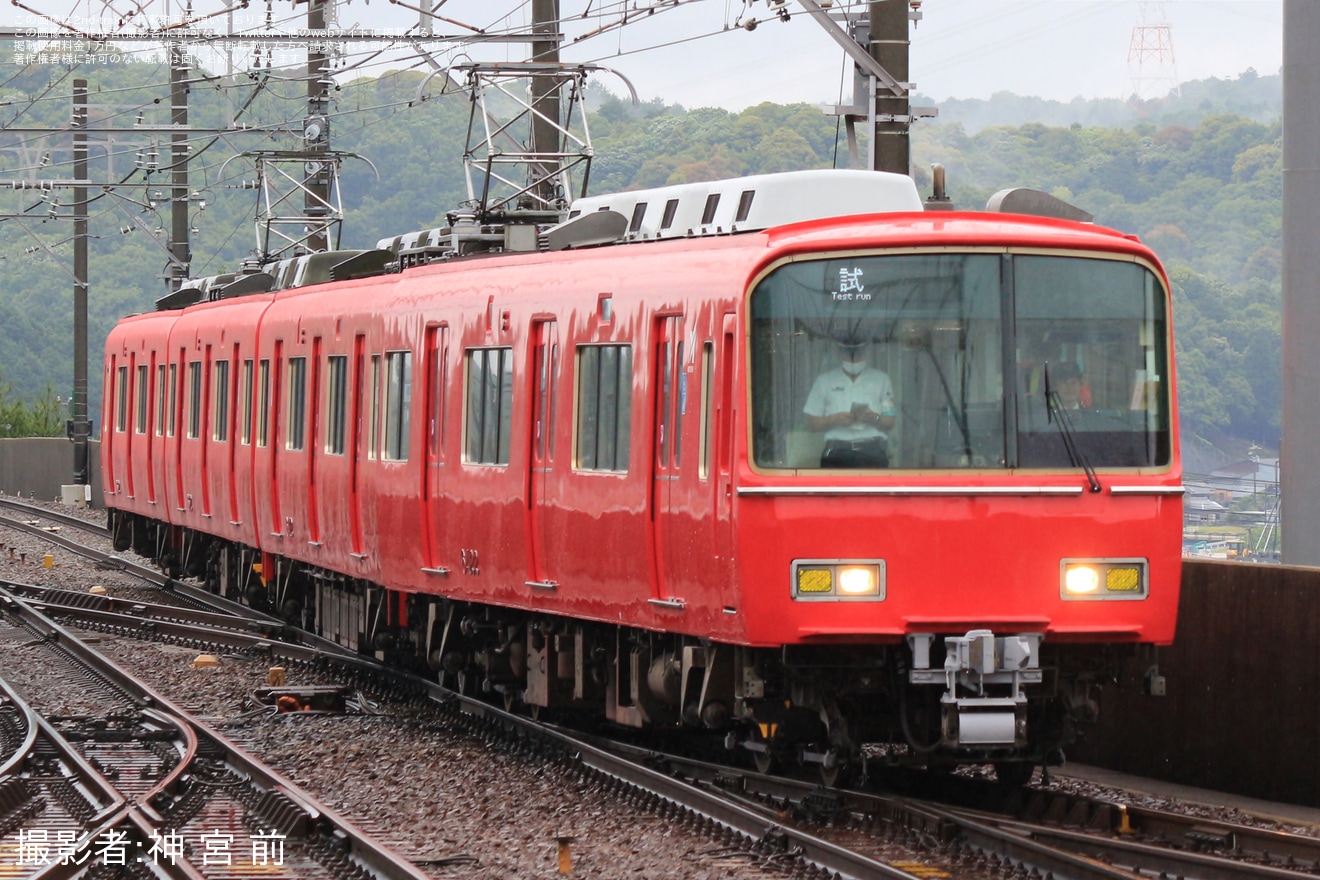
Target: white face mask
column 853, row 368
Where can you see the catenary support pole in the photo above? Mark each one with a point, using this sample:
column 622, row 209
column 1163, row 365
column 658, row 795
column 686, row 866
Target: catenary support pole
column 545, row 99
column 79, row 427
column 180, row 152
column 1300, row 452
column 890, row 120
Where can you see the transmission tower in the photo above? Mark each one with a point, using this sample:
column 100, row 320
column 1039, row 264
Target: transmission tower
column 1150, row 53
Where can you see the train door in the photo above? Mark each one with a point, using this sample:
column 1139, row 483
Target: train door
column 314, row 447
column 670, row 389
column 201, row 402
column 545, row 378
column 725, row 412
column 356, row 452
column 129, row 427
column 433, row 467
column 154, row 426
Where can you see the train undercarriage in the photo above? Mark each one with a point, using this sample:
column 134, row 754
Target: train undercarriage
column 937, row 701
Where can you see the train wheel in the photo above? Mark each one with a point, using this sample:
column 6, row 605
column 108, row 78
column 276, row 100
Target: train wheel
column 840, row 774
column 764, row 760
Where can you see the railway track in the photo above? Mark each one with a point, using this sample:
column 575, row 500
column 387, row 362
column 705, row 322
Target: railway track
column 849, row 833
column 156, row 787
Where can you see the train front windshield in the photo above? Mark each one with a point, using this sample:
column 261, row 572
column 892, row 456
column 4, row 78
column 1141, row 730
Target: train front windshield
column 974, row 360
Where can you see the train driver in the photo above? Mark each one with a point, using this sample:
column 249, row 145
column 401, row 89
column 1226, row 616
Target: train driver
column 1066, row 382
column 853, row 404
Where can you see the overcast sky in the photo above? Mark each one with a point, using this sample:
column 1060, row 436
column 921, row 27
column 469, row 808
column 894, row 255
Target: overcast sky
column 1057, row 49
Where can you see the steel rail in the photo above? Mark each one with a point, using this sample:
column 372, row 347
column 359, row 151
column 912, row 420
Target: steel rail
column 63, row 519
column 147, row 612
column 20, row 756
column 1153, row 859
column 191, row 592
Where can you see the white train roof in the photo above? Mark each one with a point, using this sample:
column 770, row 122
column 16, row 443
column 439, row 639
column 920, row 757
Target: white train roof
column 756, row 202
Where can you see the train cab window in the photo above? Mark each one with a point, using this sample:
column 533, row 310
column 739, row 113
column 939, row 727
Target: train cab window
column 398, row 404
column 143, row 399
column 245, row 403
column 489, row 405
column 927, row 361
column 221, row 407
column 336, row 402
column 604, row 407
column 194, row 400
column 160, row 400
column 297, row 402
column 263, row 402
column 121, row 401
column 1091, row 369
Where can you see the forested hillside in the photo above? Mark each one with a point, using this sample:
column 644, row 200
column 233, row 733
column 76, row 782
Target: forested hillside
column 1199, row 178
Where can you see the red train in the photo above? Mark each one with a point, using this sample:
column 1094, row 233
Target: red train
column 786, row 459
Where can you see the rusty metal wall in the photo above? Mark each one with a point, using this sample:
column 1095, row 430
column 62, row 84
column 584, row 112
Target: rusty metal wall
column 1242, row 713
column 36, row 467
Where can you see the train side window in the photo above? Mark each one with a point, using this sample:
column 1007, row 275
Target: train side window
column 194, row 400
column 221, row 401
column 336, row 400
column 246, row 403
column 160, row 400
column 398, row 404
column 143, row 398
column 121, row 401
column 297, row 402
column 604, row 407
column 174, row 397
column 489, row 405
column 263, row 402
column 373, row 445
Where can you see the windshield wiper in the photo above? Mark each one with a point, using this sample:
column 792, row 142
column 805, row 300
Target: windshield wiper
column 1056, row 413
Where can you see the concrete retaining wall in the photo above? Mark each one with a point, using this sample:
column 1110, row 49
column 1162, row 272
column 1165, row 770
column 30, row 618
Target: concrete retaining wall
column 36, row 467
column 1242, row 713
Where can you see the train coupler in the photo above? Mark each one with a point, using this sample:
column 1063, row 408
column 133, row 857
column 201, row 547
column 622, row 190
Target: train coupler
column 983, row 675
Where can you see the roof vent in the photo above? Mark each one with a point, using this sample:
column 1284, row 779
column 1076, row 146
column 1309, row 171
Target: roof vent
column 1035, row 202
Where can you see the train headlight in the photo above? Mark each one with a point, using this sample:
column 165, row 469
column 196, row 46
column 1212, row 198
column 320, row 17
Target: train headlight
column 838, row 580
column 1103, row 579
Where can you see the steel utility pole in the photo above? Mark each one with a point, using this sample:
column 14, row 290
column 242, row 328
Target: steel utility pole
column 180, row 247
column 545, row 99
column 891, row 119
column 316, row 132
column 1300, row 453
column 80, row 428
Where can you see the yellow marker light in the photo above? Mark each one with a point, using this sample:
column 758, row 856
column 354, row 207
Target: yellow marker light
column 815, row 580
column 1080, row 580
column 1123, row 580
column 856, row 580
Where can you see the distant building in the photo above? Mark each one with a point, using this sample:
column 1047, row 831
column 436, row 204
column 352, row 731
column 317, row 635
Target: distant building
column 1201, row 509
